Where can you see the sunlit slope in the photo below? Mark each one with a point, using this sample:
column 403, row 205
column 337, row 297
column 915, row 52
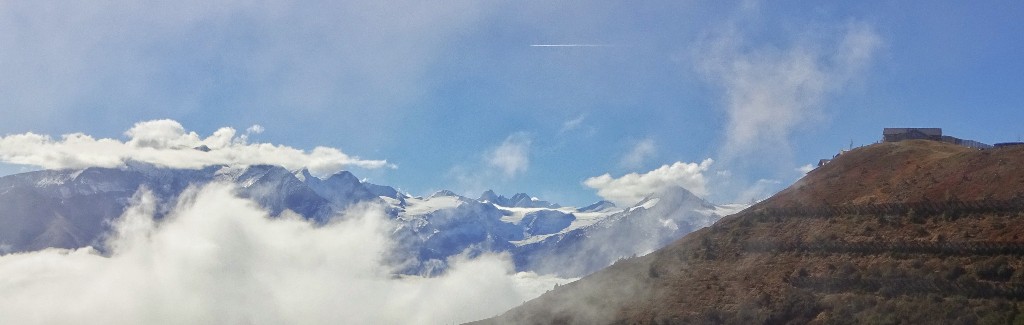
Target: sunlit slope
column 913, row 232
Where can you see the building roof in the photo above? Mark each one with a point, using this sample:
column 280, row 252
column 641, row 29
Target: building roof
column 925, row 131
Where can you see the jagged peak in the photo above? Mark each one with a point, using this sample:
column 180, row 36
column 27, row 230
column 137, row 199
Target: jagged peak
column 383, row 190
column 599, row 206
column 520, row 200
column 673, row 194
column 344, row 177
column 443, row 193
column 519, row 197
column 304, row 175
column 261, row 171
column 489, row 196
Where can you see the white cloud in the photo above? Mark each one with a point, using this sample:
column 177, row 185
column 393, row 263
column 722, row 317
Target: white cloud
column 166, row 143
column 573, row 124
column 760, row 190
column 255, row 129
column 805, row 169
column 500, row 163
column 512, row 157
column 631, row 188
column 641, row 151
column 771, row 91
column 218, row 259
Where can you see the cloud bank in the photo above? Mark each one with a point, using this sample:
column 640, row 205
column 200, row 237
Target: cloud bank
column 770, row 91
column 633, row 187
column 219, row 259
column 166, row 143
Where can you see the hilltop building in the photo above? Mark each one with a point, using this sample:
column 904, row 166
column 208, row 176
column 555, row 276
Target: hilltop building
column 1009, row 144
column 934, row 134
column 901, row 134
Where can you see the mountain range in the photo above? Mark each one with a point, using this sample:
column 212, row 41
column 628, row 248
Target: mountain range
column 75, row 208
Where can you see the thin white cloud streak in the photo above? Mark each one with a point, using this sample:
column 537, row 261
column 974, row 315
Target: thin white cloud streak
column 769, row 92
column 166, row 143
column 512, row 157
column 803, row 170
column 643, row 150
column 571, row 45
column 633, row 187
column 218, row 259
column 572, row 124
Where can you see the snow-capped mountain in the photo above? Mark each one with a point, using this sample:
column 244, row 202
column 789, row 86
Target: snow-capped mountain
column 651, row 224
column 520, row 200
column 74, row 208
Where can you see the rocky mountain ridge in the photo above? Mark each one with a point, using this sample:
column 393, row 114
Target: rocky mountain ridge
column 74, row 208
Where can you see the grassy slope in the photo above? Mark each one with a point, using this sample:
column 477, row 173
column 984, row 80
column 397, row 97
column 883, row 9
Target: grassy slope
column 781, row 262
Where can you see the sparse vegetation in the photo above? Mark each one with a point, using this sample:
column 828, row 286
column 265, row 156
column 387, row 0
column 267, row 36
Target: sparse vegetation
column 929, row 237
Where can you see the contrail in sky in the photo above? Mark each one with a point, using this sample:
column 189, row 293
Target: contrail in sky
column 570, row 45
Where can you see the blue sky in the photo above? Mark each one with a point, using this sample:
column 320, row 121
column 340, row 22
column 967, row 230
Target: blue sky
column 453, row 93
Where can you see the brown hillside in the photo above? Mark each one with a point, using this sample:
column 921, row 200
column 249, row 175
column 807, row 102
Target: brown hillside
column 914, row 232
column 910, row 171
